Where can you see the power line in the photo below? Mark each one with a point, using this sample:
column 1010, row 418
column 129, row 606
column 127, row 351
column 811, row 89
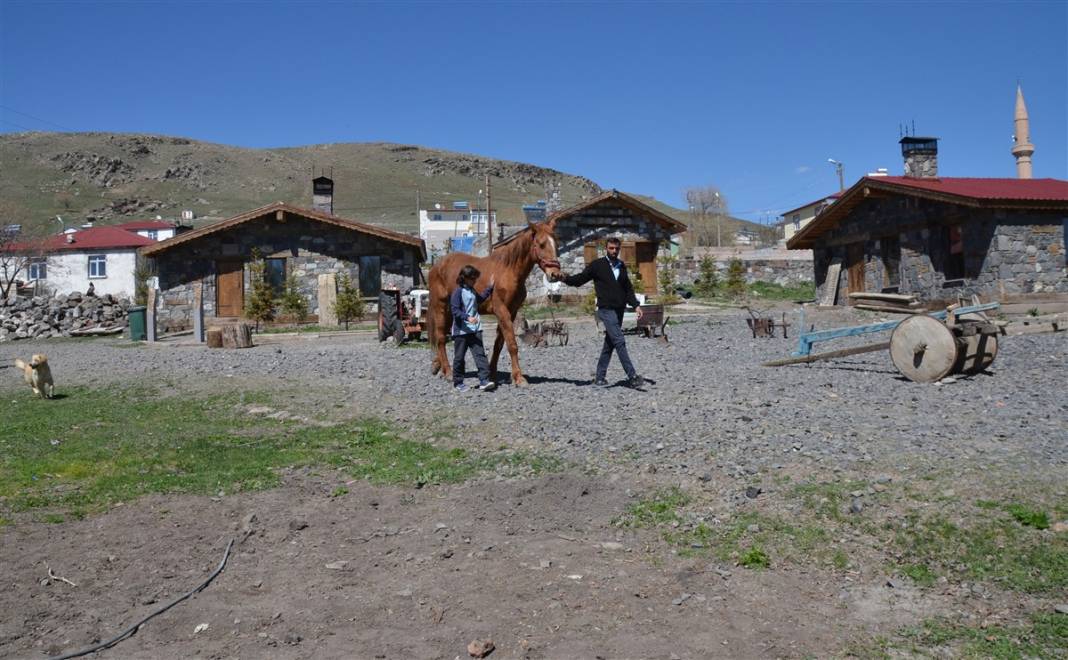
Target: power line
column 25, row 114
column 17, row 125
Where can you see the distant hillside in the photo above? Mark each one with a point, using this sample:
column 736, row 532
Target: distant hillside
column 116, row 177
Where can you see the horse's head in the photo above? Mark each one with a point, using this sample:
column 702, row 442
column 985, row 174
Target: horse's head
column 543, row 248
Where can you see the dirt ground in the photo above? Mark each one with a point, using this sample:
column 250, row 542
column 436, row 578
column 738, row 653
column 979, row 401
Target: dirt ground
column 536, row 564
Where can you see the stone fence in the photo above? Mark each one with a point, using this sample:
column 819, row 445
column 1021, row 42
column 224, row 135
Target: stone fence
column 783, row 267
column 40, row 317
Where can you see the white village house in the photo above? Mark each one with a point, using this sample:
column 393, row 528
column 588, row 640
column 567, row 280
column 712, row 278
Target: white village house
column 105, row 257
column 439, row 224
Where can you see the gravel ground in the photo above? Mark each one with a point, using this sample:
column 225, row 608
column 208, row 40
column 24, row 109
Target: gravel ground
column 709, row 405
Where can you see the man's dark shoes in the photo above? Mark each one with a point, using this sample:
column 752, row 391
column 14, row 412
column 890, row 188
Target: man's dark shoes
column 636, row 382
column 600, row 382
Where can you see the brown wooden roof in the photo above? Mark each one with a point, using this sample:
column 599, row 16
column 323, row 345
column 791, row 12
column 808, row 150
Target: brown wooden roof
column 1023, row 194
column 310, row 214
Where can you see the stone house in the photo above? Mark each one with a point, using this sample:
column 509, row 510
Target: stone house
column 295, row 241
column 940, row 237
column 582, row 229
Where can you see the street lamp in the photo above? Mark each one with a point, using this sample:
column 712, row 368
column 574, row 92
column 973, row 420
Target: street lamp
column 838, row 168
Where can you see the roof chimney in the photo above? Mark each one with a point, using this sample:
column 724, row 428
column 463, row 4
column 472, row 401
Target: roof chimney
column 323, row 194
column 921, row 157
column 70, row 237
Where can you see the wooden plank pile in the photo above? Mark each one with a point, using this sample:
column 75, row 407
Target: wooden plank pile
column 894, row 303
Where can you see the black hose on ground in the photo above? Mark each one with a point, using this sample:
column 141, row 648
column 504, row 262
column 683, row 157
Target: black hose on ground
column 133, row 629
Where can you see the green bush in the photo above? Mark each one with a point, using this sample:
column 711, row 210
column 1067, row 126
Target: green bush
column 708, row 280
column 349, row 305
column 294, row 303
column 665, row 276
column 260, row 304
column 736, row 279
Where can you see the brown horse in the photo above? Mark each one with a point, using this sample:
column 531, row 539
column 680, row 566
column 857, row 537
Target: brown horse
column 508, row 268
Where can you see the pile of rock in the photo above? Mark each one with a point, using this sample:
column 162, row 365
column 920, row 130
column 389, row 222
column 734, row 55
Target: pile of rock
column 60, row 316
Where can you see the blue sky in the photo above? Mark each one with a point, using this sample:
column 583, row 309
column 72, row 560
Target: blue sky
column 645, row 97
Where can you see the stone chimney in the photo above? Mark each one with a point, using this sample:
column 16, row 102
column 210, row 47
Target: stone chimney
column 921, row 157
column 323, row 194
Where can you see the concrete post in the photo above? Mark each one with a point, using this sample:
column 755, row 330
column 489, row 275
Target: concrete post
column 198, row 311
column 327, row 299
column 150, row 315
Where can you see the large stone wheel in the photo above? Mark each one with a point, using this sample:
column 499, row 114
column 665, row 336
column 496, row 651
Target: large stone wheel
column 923, row 349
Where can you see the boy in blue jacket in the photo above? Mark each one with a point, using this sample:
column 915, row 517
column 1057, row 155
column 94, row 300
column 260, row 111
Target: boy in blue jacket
column 467, row 329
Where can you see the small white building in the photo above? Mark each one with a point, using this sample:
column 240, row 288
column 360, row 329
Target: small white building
column 157, row 230
column 105, row 257
column 794, row 219
column 439, row 224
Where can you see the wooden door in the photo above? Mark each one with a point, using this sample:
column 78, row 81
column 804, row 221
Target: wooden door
column 645, row 254
column 855, row 259
column 229, row 287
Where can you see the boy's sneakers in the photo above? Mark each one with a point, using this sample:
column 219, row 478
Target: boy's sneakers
column 636, row 382
column 600, row 382
column 487, row 386
column 462, row 387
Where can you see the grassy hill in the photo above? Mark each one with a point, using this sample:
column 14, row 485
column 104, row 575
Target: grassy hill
column 116, row 177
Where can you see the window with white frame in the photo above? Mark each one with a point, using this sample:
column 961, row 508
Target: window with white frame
column 797, row 221
column 153, row 234
column 37, row 270
column 98, row 265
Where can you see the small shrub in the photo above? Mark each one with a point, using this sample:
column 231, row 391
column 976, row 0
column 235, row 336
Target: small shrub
column 736, row 279
column 1033, row 311
column 665, row 276
column 349, row 305
column 1028, row 517
column 294, row 303
column 755, row 557
column 260, row 304
column 708, row 280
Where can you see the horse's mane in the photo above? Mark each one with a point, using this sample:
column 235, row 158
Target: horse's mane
column 513, row 253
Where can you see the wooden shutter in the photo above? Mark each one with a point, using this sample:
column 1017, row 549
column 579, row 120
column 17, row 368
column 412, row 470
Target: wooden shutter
column 589, row 253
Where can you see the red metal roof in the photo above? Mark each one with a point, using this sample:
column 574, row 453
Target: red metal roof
column 97, row 238
column 145, row 224
column 1053, row 190
column 1046, row 195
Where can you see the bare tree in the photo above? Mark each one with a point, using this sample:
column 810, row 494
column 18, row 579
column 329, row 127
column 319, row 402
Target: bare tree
column 15, row 258
column 709, row 219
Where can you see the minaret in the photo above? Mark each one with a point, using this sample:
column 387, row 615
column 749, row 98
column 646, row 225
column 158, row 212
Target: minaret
column 1022, row 147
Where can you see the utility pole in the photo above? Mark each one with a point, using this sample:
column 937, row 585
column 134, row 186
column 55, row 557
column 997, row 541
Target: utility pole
column 838, row 167
column 489, row 218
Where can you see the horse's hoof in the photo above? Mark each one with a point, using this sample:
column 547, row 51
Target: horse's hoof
column 520, row 381
column 434, row 369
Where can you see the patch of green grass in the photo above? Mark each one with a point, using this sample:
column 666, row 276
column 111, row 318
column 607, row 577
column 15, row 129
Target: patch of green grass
column 539, row 312
column 339, row 491
column 920, row 574
column 986, row 504
column 98, row 446
column 1044, row 636
column 995, row 549
column 755, row 557
column 53, row 518
column 1028, row 516
column 659, row 509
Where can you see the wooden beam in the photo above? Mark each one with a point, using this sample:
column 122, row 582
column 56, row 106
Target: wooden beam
column 815, row 357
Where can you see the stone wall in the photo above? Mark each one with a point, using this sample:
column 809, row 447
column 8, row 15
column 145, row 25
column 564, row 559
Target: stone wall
column 310, row 248
column 41, row 317
column 783, row 267
column 1004, row 251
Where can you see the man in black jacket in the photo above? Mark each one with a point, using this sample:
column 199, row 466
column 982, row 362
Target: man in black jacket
column 614, row 293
